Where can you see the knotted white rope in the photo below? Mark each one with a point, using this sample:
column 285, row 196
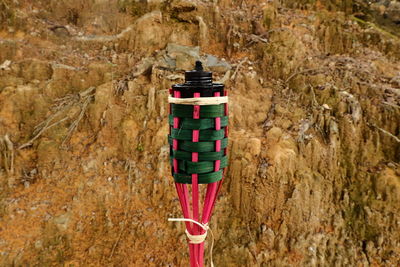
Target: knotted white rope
column 197, row 239
column 201, row 101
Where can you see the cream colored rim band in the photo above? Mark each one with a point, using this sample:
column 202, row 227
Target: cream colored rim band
column 200, row 101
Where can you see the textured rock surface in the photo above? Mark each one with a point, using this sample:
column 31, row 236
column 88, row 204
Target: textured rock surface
column 314, row 175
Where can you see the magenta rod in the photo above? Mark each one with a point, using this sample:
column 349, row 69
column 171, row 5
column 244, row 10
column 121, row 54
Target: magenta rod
column 181, row 193
column 225, row 153
column 195, row 184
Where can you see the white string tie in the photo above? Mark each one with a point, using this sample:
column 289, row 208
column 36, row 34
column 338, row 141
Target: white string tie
column 197, row 239
column 201, row 101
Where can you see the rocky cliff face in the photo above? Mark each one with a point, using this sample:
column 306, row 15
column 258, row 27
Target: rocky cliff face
column 314, row 175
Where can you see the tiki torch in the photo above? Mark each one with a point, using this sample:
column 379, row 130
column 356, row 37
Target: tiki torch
column 198, row 141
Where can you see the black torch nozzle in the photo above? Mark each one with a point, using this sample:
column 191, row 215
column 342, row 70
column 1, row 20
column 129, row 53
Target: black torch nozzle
column 198, row 81
column 199, row 66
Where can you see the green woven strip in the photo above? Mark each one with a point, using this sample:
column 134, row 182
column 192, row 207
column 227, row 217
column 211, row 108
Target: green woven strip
column 204, row 135
column 198, row 124
column 198, row 146
column 183, row 155
column 201, row 166
column 186, row 111
column 206, row 178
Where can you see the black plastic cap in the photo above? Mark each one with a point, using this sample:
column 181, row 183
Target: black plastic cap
column 198, row 75
column 199, row 81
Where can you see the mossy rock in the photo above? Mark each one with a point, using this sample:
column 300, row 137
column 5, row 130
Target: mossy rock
column 8, row 50
column 32, row 69
column 284, row 54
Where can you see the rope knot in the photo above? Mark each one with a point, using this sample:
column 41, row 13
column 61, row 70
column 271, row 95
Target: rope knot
column 197, row 239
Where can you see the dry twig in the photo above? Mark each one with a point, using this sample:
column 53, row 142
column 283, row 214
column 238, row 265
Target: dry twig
column 304, row 71
column 314, row 99
column 7, row 149
column 237, row 68
column 390, row 104
column 385, row 132
column 84, row 105
column 61, row 108
column 42, row 130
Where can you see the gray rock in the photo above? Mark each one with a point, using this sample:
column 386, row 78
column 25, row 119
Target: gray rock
column 217, row 65
column 6, row 65
column 143, row 67
column 174, row 49
column 60, row 31
column 184, row 56
column 170, row 62
column 166, row 62
column 38, row 244
column 62, row 221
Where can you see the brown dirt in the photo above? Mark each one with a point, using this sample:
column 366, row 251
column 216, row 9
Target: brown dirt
column 314, row 171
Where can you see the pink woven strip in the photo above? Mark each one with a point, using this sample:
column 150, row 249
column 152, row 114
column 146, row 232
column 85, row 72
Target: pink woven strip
column 195, row 184
column 212, row 188
column 182, row 191
column 226, row 149
column 175, row 165
column 179, row 187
